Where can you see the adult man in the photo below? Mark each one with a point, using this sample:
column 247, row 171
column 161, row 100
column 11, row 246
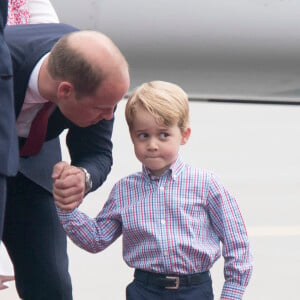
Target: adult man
column 84, row 76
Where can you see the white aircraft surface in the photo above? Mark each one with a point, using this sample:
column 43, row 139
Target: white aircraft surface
column 234, row 50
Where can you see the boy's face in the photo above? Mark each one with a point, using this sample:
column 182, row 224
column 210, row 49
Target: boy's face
column 156, row 146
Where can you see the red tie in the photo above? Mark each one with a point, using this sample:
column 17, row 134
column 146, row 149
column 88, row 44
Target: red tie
column 37, row 133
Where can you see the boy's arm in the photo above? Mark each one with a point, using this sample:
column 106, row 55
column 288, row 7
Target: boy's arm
column 229, row 226
column 92, row 234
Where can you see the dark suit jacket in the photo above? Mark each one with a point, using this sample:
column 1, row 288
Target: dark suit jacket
column 8, row 139
column 89, row 147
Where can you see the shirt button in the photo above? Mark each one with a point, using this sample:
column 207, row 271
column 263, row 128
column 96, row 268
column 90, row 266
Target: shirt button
column 166, row 253
column 161, row 188
column 163, row 222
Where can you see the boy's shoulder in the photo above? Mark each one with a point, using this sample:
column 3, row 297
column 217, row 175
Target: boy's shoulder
column 133, row 177
column 191, row 170
column 197, row 174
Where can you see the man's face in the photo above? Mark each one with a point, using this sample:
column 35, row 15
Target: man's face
column 89, row 110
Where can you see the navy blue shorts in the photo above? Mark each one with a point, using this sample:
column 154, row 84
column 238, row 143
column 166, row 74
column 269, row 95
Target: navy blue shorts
column 146, row 290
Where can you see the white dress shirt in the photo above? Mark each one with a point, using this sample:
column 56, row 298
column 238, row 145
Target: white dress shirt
column 33, row 102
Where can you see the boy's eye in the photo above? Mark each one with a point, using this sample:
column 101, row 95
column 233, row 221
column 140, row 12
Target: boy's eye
column 142, row 136
column 164, row 135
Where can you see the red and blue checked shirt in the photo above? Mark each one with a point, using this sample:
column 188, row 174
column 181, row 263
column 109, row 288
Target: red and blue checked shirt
column 173, row 225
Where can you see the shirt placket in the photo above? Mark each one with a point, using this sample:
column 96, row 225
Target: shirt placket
column 161, row 203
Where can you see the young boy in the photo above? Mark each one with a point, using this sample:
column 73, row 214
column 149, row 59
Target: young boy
column 172, row 216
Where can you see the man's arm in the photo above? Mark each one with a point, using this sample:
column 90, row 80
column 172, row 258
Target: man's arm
column 90, row 148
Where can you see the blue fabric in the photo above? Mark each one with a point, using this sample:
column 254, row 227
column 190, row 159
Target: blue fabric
column 89, row 147
column 139, row 291
column 8, row 136
column 36, row 242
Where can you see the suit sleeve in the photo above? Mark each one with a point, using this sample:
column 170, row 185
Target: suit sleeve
column 91, row 148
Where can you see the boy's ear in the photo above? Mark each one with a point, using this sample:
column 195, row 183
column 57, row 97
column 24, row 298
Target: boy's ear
column 185, row 135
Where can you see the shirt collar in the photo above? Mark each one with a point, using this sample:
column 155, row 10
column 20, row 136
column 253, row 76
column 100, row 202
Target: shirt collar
column 175, row 169
column 33, row 83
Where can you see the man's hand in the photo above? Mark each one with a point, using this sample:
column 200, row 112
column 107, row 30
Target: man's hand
column 68, row 186
column 3, row 279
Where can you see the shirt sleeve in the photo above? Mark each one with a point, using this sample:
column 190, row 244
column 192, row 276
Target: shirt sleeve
column 229, row 226
column 92, row 234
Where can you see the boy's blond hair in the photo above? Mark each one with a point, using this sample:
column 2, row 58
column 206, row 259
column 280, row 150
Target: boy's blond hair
column 166, row 101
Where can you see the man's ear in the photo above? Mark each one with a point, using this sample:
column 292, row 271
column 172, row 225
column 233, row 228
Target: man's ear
column 64, row 90
column 185, row 136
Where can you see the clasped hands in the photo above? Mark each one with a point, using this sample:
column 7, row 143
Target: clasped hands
column 68, row 186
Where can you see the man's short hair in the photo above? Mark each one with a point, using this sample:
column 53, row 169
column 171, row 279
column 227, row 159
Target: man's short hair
column 68, row 64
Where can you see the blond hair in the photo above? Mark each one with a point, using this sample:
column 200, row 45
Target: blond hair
column 165, row 101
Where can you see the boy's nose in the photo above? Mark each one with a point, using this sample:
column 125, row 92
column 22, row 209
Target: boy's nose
column 152, row 145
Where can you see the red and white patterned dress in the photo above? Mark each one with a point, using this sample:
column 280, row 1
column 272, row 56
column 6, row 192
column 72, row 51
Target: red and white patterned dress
column 18, row 12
